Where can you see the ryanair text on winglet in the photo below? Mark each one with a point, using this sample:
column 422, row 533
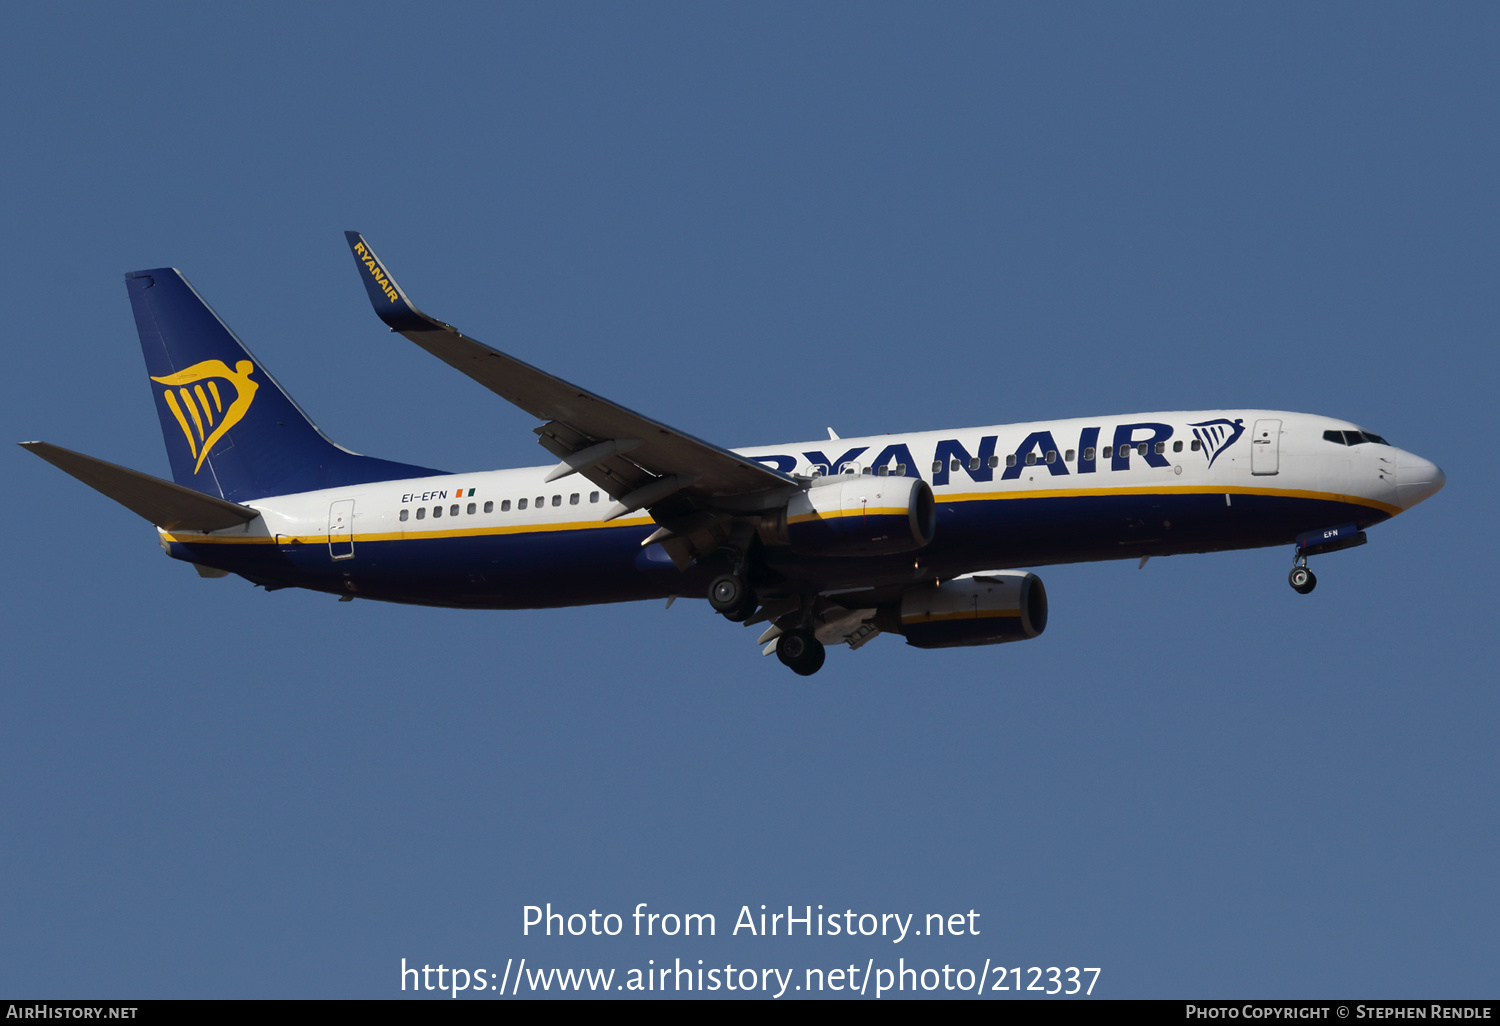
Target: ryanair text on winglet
column 368, row 259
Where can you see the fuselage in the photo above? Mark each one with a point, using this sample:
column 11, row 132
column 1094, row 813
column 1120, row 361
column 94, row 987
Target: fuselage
column 923, row 535
column 1014, row 495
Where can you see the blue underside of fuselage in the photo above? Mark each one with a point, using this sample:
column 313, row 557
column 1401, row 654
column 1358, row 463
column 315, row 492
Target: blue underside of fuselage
column 607, row 564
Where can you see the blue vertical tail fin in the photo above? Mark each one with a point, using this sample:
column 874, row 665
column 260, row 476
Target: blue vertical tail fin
column 230, row 429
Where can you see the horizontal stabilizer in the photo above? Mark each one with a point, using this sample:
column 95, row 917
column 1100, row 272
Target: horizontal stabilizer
column 167, row 505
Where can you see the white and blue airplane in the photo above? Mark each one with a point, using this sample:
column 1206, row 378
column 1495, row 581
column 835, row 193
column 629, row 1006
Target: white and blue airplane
column 832, row 541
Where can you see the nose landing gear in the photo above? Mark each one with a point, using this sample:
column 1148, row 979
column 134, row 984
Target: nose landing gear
column 1315, row 543
column 1301, row 578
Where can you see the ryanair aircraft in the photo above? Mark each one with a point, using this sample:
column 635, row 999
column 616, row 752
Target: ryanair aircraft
column 826, row 542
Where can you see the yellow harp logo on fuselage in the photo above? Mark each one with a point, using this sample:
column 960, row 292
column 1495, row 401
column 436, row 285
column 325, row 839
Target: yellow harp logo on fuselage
column 195, row 399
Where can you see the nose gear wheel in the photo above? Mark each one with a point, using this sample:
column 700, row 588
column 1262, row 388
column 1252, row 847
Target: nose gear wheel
column 1302, row 580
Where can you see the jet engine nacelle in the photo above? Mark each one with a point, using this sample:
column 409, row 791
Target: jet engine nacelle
column 979, row 609
column 856, row 515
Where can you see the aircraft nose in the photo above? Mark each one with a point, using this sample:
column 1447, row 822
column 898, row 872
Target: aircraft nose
column 1417, row 479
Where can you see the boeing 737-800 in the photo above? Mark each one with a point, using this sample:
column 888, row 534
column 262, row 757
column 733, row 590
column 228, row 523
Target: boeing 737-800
column 826, row 542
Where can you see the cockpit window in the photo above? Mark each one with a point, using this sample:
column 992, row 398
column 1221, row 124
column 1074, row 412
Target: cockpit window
column 1353, row 437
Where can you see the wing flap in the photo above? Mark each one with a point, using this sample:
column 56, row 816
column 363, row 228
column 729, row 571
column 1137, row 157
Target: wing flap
column 167, row 505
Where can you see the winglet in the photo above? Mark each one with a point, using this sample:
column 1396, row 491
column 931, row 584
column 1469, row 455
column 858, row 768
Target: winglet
column 391, row 304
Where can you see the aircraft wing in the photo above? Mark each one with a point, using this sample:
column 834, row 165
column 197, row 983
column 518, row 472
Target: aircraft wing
column 167, row 505
column 640, row 462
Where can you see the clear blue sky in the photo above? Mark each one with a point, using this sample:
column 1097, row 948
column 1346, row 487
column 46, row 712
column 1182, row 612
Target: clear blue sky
column 752, row 223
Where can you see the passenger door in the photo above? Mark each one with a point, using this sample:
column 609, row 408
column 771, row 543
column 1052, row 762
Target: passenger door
column 1265, row 447
column 341, row 529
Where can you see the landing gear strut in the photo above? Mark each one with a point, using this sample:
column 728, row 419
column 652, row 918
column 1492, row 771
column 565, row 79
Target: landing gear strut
column 800, row 651
column 1301, row 578
column 732, row 596
column 1315, row 543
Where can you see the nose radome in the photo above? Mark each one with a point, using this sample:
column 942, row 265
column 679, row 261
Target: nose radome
column 1417, row 479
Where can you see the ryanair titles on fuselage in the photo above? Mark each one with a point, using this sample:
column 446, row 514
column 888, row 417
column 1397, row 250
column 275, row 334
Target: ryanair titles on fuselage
column 1143, row 440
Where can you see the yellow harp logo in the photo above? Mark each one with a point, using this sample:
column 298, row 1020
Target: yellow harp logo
column 198, row 404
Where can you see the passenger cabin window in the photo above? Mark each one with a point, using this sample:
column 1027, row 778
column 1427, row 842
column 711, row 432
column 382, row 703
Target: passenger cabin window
column 974, row 463
column 1196, row 445
column 1177, row 446
column 1141, row 448
column 453, row 510
column 541, row 500
column 573, row 499
column 1108, row 452
column 1068, row 457
column 1051, row 455
column 1088, row 454
column 504, row 505
column 557, row 500
column 473, row 509
column 994, row 462
column 437, row 511
column 1031, row 459
column 489, row 507
column 955, row 465
column 403, row 516
column 1010, row 461
column 937, row 466
column 421, row 512
column 521, row 504
column 1161, row 447
column 593, row 496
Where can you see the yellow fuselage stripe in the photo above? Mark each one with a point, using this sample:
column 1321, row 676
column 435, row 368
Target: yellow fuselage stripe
column 469, row 532
column 1059, row 493
column 586, row 525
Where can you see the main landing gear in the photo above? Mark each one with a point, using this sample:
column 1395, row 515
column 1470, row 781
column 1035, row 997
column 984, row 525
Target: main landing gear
column 798, row 648
column 800, row 651
column 732, row 596
column 1301, row 578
